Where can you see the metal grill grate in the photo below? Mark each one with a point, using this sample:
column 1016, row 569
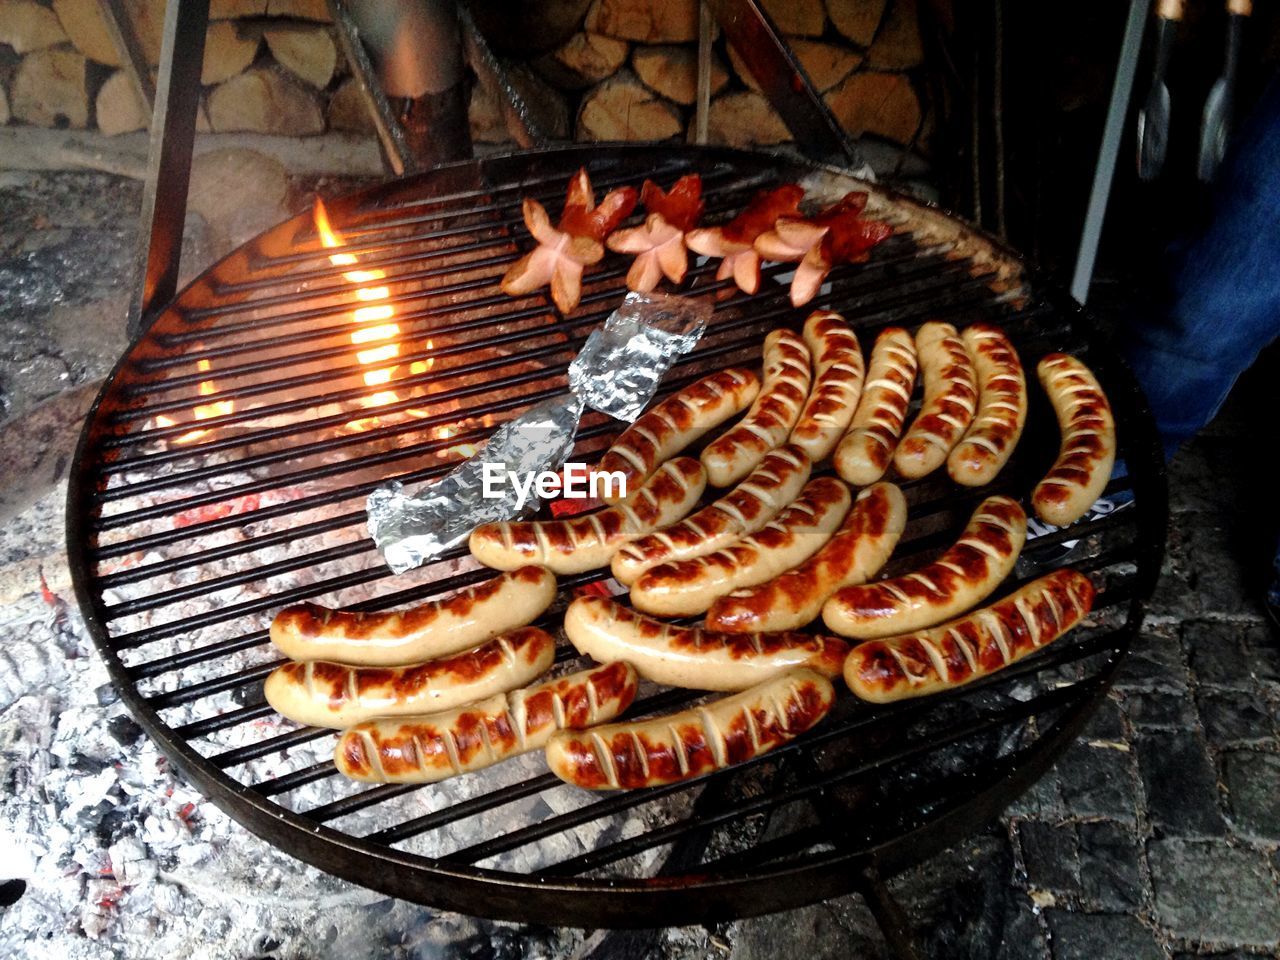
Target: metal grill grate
column 186, row 536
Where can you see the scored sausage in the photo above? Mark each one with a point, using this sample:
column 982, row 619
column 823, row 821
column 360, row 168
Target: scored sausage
column 965, row 575
column 677, row 422
column 689, row 657
column 950, row 401
column 1088, row 451
column 681, row 746
column 452, row 742
column 742, row 511
column 859, row 549
column 436, row 629
column 865, row 451
column 770, row 419
column 324, row 694
column 837, row 384
column 685, row 587
column 584, row 543
column 1002, row 408
column 973, row 646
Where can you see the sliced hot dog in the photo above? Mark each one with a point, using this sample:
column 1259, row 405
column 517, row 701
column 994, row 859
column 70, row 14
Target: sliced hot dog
column 965, row 575
column 973, row 646
column 837, row 384
column 324, row 694
column 681, row 746
column 772, row 416
column 1002, row 407
column 685, row 587
column 677, row 422
column 441, row 745
column 1088, row 451
column 590, row 541
column 950, row 401
column 859, row 549
column 742, row 511
column 688, row 657
column 436, row 629
column 865, row 451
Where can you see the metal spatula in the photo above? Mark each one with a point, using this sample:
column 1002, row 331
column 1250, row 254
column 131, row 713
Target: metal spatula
column 1215, row 126
column 1153, row 118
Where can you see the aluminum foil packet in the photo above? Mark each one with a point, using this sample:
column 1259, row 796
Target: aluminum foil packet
column 616, row 372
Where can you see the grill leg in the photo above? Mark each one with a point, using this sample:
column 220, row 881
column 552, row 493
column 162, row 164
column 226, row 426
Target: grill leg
column 889, row 916
column 173, row 131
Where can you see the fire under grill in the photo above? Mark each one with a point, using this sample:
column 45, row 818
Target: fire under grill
column 223, row 473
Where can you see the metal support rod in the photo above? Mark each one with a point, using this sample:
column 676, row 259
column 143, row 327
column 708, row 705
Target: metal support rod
column 702, row 110
column 889, row 916
column 785, row 85
column 395, row 148
column 1112, row 133
column 173, row 131
column 129, row 47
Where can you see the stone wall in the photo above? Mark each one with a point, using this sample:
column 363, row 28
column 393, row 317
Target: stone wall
column 628, row 73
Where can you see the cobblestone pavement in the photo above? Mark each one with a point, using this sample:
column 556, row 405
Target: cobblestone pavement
column 1156, row 835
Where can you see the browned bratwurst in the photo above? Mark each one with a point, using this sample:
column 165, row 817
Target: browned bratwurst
column 740, row 512
column 434, row 629
column 688, row 657
column 681, row 746
column 856, row 553
column 966, row 574
column 1088, row 451
column 675, row 423
column 950, row 401
column 1002, row 408
column 837, row 384
column 865, row 451
column 974, row 646
column 325, row 694
column 441, row 745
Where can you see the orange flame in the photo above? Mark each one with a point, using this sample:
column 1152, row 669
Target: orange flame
column 383, row 334
column 203, row 411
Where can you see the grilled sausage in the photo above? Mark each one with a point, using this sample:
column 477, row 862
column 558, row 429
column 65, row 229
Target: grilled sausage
column 677, row 422
column 950, row 401
column 681, row 746
column 1088, row 451
column 854, row 555
column 965, row 575
column 742, row 511
column 686, row 587
column 837, row 384
column 688, row 657
column 865, row 451
column 435, row 629
column 446, row 744
column 775, row 411
column 590, row 541
column 1002, row 408
column 324, row 694
column 973, row 646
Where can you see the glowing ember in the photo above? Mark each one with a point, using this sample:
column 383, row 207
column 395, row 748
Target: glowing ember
column 383, row 334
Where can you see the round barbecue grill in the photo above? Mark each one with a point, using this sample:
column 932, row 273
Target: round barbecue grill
column 223, row 471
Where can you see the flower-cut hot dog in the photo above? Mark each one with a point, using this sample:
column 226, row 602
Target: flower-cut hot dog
column 681, row 746
column 838, row 234
column 742, row 511
column 675, row 423
column 687, row 657
column 1088, row 451
column 770, row 419
column 734, row 241
column 477, row 735
column 659, row 243
column 578, row 241
column 973, row 646
column 324, row 694
column 966, row 574
column 434, row 629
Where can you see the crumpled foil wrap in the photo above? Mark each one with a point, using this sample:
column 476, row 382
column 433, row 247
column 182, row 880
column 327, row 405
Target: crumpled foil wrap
column 616, row 372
